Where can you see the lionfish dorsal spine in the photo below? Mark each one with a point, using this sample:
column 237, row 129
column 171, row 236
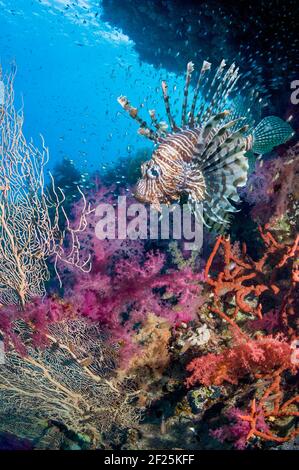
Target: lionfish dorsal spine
column 219, row 138
column 206, row 66
column 213, row 94
column 172, row 123
column 154, row 121
column 190, row 69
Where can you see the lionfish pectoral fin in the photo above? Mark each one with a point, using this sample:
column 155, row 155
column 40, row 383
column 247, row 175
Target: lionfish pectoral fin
column 144, row 128
column 197, row 209
column 224, row 167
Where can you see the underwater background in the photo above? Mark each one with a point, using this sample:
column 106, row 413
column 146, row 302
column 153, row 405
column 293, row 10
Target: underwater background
column 140, row 344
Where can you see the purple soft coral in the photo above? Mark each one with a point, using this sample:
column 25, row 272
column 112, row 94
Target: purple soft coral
column 273, row 186
column 237, row 431
column 127, row 283
column 121, row 297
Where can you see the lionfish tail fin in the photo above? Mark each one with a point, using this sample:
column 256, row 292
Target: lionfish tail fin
column 224, row 166
column 269, row 133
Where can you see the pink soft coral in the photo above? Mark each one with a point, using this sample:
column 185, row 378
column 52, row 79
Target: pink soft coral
column 127, row 282
column 121, row 297
column 103, row 250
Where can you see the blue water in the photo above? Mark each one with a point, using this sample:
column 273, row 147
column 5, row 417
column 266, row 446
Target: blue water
column 71, row 68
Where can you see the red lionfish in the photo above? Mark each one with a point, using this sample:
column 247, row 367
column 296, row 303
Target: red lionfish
column 204, row 158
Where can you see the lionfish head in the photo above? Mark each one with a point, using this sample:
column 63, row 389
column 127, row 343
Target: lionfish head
column 149, row 188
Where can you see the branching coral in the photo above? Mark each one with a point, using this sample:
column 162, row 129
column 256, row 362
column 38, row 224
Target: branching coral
column 278, row 411
column 245, row 280
column 262, row 413
column 68, row 382
column 33, row 224
column 237, row 431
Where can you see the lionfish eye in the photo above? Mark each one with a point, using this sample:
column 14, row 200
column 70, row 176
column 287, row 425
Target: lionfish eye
column 153, row 172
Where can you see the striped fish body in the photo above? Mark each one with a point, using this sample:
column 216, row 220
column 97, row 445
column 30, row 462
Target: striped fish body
column 207, row 163
column 172, row 171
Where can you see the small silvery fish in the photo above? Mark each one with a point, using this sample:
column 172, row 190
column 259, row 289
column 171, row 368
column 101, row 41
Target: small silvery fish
column 205, row 157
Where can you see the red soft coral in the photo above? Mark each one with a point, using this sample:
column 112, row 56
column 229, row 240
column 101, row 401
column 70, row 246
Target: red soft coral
column 261, row 356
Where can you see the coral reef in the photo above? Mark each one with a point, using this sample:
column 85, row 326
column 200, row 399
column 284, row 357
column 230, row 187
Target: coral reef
column 127, row 283
column 125, row 332
column 244, row 282
column 267, row 362
column 143, row 346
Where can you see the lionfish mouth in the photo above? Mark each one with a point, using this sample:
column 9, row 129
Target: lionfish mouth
column 141, row 198
column 145, row 199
